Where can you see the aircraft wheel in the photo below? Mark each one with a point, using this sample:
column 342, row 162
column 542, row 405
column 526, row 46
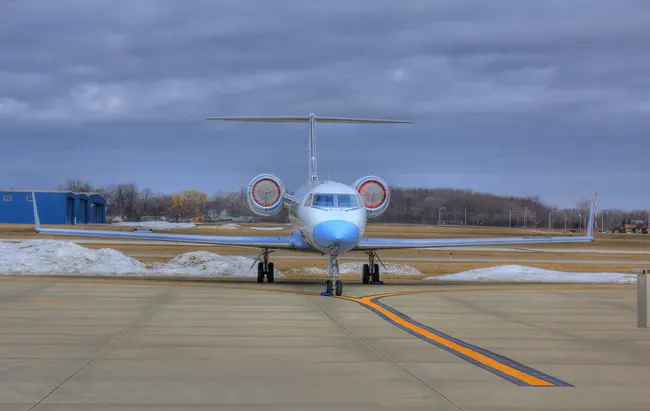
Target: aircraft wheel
column 328, row 286
column 339, row 287
column 270, row 273
column 260, row 272
column 365, row 274
column 375, row 274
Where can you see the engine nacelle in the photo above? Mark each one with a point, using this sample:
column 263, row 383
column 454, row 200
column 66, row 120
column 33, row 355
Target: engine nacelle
column 265, row 195
column 375, row 194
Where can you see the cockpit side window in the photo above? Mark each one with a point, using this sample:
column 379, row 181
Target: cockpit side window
column 323, row 200
column 308, row 200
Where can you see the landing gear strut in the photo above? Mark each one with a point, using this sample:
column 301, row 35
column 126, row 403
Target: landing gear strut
column 333, row 284
column 370, row 272
column 265, row 268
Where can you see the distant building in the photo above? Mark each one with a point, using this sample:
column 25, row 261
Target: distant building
column 54, row 207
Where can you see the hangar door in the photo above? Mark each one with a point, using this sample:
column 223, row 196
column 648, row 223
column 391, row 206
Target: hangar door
column 69, row 211
column 83, row 211
column 99, row 213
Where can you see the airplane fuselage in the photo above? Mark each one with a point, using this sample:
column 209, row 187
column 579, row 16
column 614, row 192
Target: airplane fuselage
column 329, row 216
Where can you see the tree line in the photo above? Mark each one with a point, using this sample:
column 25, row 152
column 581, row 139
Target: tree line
column 446, row 206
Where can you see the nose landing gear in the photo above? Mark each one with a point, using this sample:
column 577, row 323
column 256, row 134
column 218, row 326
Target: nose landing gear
column 333, row 284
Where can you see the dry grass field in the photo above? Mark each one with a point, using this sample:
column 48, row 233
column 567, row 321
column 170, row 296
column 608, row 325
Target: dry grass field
column 444, row 262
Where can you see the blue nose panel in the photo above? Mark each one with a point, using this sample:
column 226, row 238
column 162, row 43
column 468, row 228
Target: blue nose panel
column 336, row 232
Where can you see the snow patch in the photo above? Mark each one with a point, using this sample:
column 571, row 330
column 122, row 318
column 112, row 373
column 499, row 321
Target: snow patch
column 160, row 225
column 204, row 263
column 519, row 273
column 267, row 228
column 230, row 226
column 66, row 257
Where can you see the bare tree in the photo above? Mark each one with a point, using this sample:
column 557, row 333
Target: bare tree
column 125, row 197
column 144, row 201
column 76, row 186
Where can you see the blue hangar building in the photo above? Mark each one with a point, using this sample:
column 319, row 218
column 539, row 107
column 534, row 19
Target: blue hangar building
column 54, row 207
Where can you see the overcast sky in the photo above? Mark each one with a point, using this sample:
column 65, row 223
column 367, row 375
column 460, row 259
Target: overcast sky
column 546, row 98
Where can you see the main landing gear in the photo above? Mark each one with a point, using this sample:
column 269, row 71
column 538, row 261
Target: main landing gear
column 370, row 271
column 333, row 284
column 264, row 267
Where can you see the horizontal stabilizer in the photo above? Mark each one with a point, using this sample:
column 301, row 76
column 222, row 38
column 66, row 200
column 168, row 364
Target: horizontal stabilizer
column 305, row 119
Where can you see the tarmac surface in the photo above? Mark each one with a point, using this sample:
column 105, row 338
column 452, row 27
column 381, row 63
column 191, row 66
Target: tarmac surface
column 119, row 344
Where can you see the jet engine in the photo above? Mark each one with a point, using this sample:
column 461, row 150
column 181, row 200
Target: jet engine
column 375, row 194
column 265, row 195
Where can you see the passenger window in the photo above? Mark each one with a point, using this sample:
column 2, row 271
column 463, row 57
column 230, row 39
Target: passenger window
column 308, row 200
column 324, row 200
column 347, row 201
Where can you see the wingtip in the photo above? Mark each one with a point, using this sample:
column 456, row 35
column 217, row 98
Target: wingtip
column 592, row 220
column 37, row 222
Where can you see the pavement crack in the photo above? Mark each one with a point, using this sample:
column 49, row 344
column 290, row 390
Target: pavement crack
column 384, row 356
column 148, row 314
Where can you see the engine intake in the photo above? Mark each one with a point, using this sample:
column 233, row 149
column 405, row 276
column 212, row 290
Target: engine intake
column 375, row 194
column 265, row 195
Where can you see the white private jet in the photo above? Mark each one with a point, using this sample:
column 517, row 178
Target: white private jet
column 326, row 217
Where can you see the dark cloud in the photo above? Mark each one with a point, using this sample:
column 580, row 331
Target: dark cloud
column 534, row 98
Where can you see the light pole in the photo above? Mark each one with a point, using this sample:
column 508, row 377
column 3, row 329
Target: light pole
column 465, row 214
column 509, row 217
column 580, row 218
column 525, row 215
column 564, row 221
column 439, row 215
column 550, row 213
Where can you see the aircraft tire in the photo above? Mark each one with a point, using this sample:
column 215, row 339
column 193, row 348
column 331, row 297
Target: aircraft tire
column 339, row 287
column 375, row 275
column 328, row 286
column 270, row 273
column 260, row 272
column 365, row 274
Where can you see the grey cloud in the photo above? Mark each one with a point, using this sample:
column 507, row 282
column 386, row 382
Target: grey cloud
column 520, row 82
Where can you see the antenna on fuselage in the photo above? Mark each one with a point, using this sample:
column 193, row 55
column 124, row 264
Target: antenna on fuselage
column 311, row 120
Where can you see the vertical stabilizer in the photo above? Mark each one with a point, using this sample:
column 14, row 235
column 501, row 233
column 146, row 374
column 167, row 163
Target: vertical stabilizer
column 313, row 169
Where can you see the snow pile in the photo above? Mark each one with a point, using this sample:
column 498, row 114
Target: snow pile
column 518, row 273
column 65, row 257
column 160, row 225
column 230, row 226
column 204, row 263
column 356, row 268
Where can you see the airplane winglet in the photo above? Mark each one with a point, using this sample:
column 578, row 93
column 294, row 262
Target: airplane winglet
column 37, row 221
column 592, row 219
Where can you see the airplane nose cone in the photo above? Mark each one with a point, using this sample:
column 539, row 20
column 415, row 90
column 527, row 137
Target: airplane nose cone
column 343, row 234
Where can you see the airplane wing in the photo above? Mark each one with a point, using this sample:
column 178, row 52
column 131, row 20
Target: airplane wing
column 274, row 242
column 394, row 243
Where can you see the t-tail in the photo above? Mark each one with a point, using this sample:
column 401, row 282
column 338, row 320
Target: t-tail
column 311, row 120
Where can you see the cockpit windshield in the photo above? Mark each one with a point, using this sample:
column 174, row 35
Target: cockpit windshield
column 346, row 201
column 323, row 200
column 335, row 200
